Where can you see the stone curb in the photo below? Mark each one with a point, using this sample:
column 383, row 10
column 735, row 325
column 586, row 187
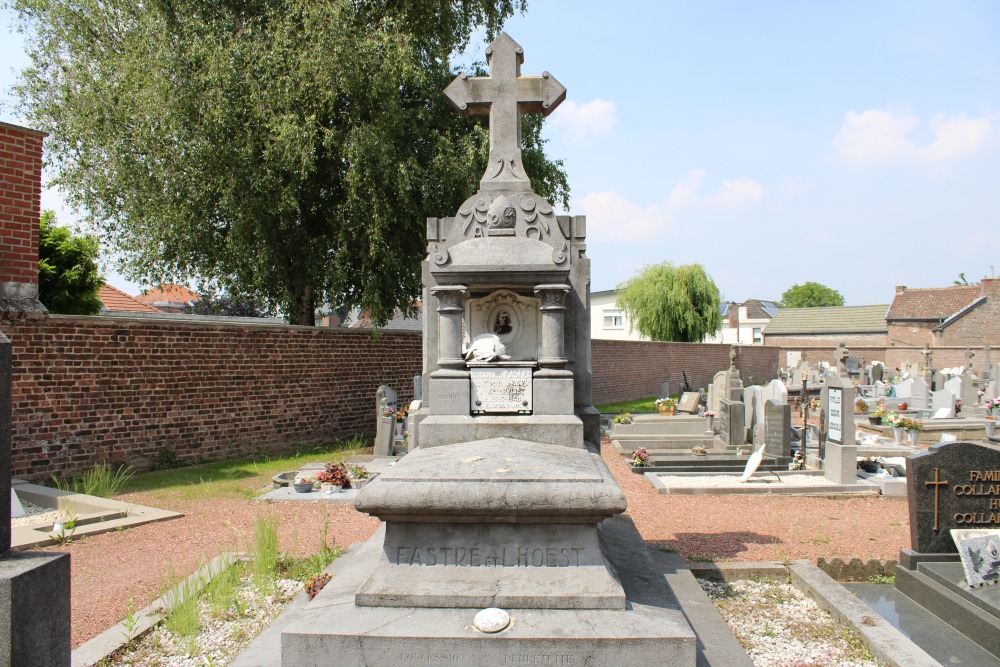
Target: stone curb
column 115, row 637
column 861, row 488
column 887, row 644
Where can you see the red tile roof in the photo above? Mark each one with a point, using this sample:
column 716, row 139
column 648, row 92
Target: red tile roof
column 931, row 303
column 168, row 293
column 118, row 301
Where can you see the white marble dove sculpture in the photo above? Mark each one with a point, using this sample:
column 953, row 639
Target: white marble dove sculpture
column 485, row 347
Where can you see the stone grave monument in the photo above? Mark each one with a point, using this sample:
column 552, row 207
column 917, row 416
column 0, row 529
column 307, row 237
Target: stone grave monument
column 952, row 486
column 689, row 402
column 34, row 586
column 505, row 502
column 778, row 431
column 840, row 451
column 385, row 425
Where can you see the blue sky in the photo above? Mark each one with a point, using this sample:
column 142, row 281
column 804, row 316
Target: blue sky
column 856, row 144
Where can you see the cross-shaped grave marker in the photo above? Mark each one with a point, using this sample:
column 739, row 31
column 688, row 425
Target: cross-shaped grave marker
column 505, row 95
column 937, row 484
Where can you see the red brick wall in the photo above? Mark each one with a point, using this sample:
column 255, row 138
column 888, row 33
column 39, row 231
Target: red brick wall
column 626, row 370
column 96, row 389
column 20, row 203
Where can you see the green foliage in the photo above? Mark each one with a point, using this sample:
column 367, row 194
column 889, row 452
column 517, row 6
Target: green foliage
column 165, row 458
column 671, row 303
column 182, row 604
column 810, row 295
column 100, row 481
column 282, row 150
column 265, row 550
column 68, row 277
column 963, row 281
column 638, row 405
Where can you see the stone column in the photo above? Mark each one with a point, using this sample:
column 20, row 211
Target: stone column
column 451, row 310
column 553, row 308
column 553, row 387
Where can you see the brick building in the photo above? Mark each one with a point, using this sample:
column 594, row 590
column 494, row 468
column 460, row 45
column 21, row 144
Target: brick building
column 854, row 325
column 957, row 315
column 20, row 210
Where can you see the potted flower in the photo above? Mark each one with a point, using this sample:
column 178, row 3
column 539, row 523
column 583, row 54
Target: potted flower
column 875, row 418
column 303, row 484
column 358, row 476
column 623, row 418
column 913, row 428
column 666, row 406
column 640, row 458
column 903, row 406
column 860, row 406
column 336, row 476
column 992, row 405
column 896, row 422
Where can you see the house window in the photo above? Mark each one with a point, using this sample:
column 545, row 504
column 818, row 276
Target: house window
column 613, row 319
column 758, row 337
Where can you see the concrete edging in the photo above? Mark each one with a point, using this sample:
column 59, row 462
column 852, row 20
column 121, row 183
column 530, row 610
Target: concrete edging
column 890, row 646
column 92, row 652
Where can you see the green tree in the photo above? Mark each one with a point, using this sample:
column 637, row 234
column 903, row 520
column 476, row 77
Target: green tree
column 68, row 277
column 810, row 295
column 285, row 151
column 674, row 303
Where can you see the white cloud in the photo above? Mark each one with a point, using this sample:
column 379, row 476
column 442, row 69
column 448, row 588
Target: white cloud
column 877, row 137
column 609, row 214
column 588, row 119
column 736, row 193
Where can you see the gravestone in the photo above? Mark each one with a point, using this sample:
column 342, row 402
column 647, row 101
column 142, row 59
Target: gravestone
column 720, row 385
column 752, row 408
column 385, row 411
column 837, row 420
column 951, row 485
column 34, row 587
column 732, row 427
column 902, row 389
column 689, row 402
column 954, row 385
column 418, row 387
column 877, row 371
column 920, row 394
column 943, row 404
column 664, row 390
column 775, row 390
column 505, row 501
column 777, row 430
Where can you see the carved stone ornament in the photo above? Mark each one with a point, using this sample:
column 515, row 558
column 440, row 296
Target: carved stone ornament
column 512, row 318
column 485, row 347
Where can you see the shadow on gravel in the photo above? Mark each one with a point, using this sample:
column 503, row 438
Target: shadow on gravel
column 712, row 546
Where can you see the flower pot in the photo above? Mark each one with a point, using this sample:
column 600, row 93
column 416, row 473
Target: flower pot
column 897, row 434
column 302, row 487
column 871, row 467
column 874, row 421
column 904, row 405
column 914, row 436
column 711, row 421
column 359, row 483
column 990, row 428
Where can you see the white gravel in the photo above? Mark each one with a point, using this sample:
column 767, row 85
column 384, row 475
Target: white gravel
column 733, row 481
column 780, row 627
column 34, row 515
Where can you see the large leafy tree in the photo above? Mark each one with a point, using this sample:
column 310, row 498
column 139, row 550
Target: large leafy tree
column 68, row 277
column 810, row 295
column 287, row 151
column 671, row 303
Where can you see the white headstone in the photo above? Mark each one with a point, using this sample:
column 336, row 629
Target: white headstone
column 775, row 390
column 904, row 389
column 943, row 404
column 717, row 392
column 920, row 394
column 954, row 385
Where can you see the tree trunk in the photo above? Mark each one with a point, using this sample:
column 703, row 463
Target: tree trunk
column 304, row 311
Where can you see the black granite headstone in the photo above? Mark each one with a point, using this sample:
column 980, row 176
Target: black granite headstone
column 952, row 485
column 777, row 429
column 6, row 371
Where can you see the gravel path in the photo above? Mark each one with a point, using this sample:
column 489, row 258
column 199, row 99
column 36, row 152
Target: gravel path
column 110, row 569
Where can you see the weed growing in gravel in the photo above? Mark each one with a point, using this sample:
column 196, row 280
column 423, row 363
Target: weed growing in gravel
column 883, row 579
column 131, row 622
column 182, row 603
column 265, row 550
column 221, row 593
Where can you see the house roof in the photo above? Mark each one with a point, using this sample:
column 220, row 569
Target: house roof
column 931, row 303
column 760, row 310
column 117, row 301
column 168, row 293
column 831, row 320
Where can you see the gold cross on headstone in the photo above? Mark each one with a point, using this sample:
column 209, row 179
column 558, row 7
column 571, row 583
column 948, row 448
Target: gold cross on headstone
column 937, row 484
column 505, row 95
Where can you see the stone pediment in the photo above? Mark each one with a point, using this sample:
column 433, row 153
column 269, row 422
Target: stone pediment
column 503, row 233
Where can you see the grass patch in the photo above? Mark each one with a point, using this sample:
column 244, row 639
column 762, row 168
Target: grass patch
column 101, row 481
column 265, row 550
column 182, row 601
column 638, row 405
column 240, row 478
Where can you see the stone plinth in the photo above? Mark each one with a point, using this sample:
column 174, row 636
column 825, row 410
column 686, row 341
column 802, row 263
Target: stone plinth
column 565, row 430
column 496, row 522
column 34, row 609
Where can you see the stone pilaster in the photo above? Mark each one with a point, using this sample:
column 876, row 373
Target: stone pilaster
column 451, row 309
column 553, row 309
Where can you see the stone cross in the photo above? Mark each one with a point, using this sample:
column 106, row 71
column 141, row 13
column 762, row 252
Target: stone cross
column 505, row 95
column 732, row 357
column 969, row 355
column 841, row 355
column 926, row 354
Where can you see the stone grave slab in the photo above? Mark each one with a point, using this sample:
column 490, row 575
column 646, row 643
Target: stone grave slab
column 943, row 404
column 777, row 429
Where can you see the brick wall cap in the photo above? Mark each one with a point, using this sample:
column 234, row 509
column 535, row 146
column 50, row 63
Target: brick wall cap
column 11, row 126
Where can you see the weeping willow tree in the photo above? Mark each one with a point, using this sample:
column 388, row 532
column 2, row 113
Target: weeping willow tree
column 283, row 151
column 671, row 303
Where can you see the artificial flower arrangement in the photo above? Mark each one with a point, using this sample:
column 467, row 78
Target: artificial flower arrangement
column 640, row 457
column 623, row 418
column 666, row 402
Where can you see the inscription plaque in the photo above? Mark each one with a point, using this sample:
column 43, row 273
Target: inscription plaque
column 835, row 432
column 500, row 390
